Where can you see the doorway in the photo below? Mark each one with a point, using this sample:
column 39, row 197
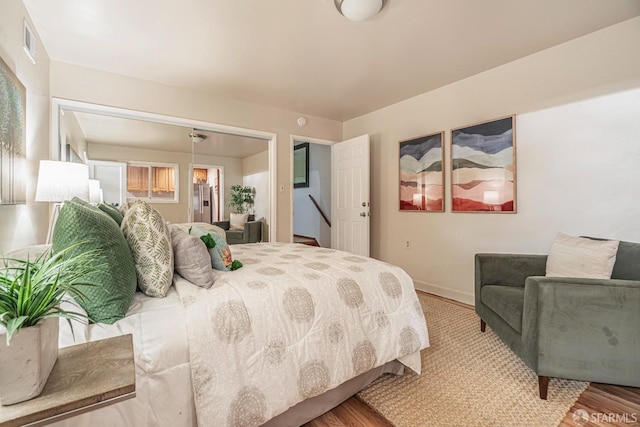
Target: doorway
column 311, row 223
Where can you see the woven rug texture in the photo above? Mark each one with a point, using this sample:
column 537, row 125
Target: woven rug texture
column 469, row 378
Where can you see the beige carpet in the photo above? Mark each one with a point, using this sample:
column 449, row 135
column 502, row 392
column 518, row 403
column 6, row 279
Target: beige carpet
column 468, row 379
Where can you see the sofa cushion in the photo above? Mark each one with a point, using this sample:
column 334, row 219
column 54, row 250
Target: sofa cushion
column 112, row 284
column 581, row 257
column 507, row 302
column 150, row 243
column 191, row 257
column 627, row 266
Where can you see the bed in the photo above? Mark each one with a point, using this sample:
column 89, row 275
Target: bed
column 293, row 333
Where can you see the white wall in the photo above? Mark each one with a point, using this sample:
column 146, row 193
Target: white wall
column 576, row 158
column 26, row 224
column 98, row 87
column 173, row 212
column 306, row 218
column 255, row 171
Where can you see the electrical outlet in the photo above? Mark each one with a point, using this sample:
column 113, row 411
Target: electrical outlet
column 407, row 244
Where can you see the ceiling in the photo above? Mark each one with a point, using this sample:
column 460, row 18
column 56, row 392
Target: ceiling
column 117, row 131
column 302, row 55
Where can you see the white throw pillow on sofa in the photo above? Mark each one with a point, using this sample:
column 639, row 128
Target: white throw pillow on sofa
column 237, row 221
column 581, row 257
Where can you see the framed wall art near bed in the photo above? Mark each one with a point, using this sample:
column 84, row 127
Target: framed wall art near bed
column 483, row 167
column 422, row 174
column 13, row 115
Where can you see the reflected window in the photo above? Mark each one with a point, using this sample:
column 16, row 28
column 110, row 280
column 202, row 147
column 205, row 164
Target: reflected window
column 154, row 182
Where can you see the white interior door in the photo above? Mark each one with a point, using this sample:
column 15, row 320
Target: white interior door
column 350, row 214
column 113, row 180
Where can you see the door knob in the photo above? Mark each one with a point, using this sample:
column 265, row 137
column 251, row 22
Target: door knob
column 363, row 214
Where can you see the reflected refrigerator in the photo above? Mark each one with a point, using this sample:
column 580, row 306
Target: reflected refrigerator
column 202, row 203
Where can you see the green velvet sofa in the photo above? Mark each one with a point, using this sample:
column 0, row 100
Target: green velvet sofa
column 580, row 329
column 252, row 232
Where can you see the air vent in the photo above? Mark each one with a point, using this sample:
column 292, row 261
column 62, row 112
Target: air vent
column 29, row 42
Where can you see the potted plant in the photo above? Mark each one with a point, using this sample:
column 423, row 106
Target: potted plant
column 241, row 198
column 30, row 297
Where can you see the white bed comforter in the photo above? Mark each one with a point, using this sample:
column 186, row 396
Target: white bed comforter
column 294, row 322
column 164, row 395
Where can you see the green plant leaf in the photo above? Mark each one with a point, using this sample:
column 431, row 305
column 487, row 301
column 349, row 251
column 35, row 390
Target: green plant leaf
column 32, row 290
column 235, row 264
column 13, row 325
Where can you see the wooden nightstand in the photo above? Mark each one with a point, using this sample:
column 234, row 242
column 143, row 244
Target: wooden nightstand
column 85, row 377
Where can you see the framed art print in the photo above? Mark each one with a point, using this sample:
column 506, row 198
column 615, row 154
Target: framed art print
column 13, row 116
column 422, row 174
column 483, row 167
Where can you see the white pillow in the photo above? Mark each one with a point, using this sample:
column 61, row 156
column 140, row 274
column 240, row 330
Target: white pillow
column 581, row 257
column 237, row 221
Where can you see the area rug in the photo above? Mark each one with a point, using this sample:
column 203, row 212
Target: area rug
column 469, row 378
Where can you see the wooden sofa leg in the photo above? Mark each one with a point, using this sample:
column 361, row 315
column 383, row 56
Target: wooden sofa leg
column 543, row 385
column 483, row 325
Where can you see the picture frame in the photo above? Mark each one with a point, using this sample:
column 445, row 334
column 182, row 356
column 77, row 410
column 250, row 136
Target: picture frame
column 421, row 170
column 301, row 165
column 13, row 129
column 483, row 167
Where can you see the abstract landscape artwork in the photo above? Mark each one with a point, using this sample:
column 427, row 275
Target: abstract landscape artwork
column 422, row 174
column 483, row 167
column 12, row 137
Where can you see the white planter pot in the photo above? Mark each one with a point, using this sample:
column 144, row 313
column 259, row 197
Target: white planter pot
column 26, row 363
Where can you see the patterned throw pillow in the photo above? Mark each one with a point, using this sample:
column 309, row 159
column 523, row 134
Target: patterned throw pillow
column 191, row 257
column 150, row 242
column 112, row 283
column 218, row 248
column 112, row 212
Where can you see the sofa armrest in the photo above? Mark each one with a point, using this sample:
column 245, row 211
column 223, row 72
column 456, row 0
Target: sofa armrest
column 253, row 231
column 582, row 329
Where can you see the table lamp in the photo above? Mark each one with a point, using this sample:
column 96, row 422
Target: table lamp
column 60, row 181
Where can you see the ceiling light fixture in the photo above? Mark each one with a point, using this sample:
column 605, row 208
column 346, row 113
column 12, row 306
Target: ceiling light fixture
column 359, row 10
column 197, row 137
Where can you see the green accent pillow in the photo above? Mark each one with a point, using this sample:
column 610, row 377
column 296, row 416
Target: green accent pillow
column 217, row 246
column 110, row 288
column 150, row 243
column 112, row 212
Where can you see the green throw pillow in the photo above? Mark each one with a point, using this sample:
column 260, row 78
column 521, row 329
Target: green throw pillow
column 112, row 211
column 111, row 286
column 217, row 246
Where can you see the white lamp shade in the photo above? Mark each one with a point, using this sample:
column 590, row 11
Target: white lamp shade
column 360, row 10
column 60, row 181
column 94, row 191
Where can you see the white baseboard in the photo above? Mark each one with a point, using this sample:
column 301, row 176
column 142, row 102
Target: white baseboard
column 463, row 297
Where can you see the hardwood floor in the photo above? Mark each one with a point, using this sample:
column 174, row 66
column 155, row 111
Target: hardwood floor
column 311, row 241
column 352, row 413
column 606, row 406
